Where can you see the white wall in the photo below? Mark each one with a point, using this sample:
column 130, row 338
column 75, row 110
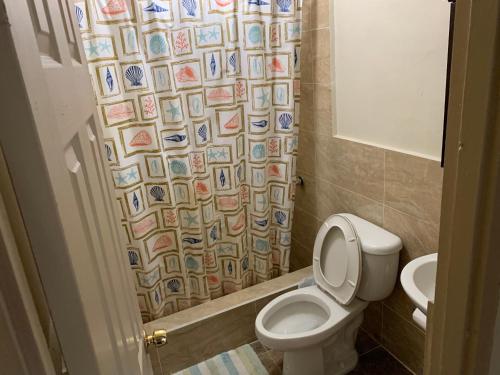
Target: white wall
column 390, row 72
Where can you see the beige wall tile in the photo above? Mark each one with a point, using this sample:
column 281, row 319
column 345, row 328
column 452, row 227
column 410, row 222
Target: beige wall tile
column 332, row 199
column 306, row 153
column 320, row 13
column 413, row 185
column 321, row 55
column 305, row 228
column 306, row 122
column 352, row 166
column 306, row 198
column 419, row 237
column 403, row 339
column 306, row 58
column 322, row 110
column 300, row 256
column 400, row 302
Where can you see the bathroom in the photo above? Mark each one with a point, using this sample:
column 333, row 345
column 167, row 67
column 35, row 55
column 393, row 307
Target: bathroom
column 249, row 187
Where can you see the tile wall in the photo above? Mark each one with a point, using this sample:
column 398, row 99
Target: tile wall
column 400, row 192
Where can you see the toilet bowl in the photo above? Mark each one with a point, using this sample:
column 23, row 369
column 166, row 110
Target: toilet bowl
column 354, row 262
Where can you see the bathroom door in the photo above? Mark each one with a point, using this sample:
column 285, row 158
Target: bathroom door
column 53, row 147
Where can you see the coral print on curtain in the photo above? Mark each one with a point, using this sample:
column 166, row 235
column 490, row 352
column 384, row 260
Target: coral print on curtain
column 199, row 105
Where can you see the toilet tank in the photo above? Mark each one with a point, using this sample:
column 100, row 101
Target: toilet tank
column 380, row 254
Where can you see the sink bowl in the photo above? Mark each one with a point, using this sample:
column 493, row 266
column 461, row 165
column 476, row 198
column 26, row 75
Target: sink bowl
column 418, row 279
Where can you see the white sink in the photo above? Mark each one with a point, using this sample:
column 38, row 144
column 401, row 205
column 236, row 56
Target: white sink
column 418, row 279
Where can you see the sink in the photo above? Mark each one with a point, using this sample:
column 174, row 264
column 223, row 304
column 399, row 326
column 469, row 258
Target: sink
column 418, row 279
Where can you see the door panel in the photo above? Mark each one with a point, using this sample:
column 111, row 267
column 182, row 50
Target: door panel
column 63, row 184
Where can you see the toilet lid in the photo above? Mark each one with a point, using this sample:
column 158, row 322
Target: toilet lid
column 337, row 259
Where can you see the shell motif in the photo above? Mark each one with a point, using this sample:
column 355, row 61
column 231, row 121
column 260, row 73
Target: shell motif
column 240, row 223
column 233, row 123
column 191, row 240
column 157, row 297
column 158, row 44
column 261, row 222
column 255, row 34
column 223, row 3
column 191, row 263
column 114, row 7
column 244, row 263
column 284, row 5
column 79, row 16
column 131, row 41
column 259, row 151
column 232, row 61
column 219, row 94
column 276, row 65
column 213, row 64
column 135, row 202
column 239, row 172
column 175, row 138
column 157, row 193
column 134, row 74
column 164, row 241
column 201, row 188
column 142, row 138
column 274, row 170
column 222, row 178
column 280, row 217
column 133, row 258
column 213, row 233
column 186, row 74
column 155, row 8
column 261, row 245
column 202, row 132
column 109, row 79
column 178, row 167
column 228, row 202
column 190, row 6
column 109, row 152
column 174, row 285
column 260, row 124
column 285, row 120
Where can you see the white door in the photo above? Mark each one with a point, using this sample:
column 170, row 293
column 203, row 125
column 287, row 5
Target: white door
column 53, row 147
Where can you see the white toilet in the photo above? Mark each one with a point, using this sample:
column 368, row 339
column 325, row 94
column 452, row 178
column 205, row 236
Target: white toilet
column 354, row 262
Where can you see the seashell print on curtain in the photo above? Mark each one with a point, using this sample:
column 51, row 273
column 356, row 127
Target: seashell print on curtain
column 199, row 105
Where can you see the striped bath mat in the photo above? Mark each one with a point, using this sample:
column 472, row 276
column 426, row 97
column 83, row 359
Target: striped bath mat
column 240, row 361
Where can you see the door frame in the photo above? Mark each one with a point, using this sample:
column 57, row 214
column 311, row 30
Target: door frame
column 468, row 279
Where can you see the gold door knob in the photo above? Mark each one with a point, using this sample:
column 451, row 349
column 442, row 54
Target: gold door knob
column 158, row 338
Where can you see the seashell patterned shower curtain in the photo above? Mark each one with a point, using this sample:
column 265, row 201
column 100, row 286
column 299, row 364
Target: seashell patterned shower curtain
column 199, row 106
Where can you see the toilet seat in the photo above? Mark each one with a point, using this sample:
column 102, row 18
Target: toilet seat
column 337, row 259
column 276, row 324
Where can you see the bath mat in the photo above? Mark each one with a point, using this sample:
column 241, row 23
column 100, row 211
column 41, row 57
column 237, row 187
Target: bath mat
column 240, row 361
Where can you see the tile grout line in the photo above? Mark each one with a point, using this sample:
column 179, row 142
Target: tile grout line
column 403, row 318
column 398, row 360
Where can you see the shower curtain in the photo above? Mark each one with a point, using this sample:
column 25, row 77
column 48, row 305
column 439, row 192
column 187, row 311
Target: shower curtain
column 199, row 105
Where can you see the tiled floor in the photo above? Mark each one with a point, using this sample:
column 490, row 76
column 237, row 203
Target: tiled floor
column 373, row 359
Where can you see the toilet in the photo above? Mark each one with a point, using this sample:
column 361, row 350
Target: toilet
column 354, row 262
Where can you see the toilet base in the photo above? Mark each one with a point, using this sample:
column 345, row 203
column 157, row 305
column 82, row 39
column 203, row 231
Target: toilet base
column 335, row 356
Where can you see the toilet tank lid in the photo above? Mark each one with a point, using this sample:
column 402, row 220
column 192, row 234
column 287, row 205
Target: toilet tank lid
column 374, row 239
